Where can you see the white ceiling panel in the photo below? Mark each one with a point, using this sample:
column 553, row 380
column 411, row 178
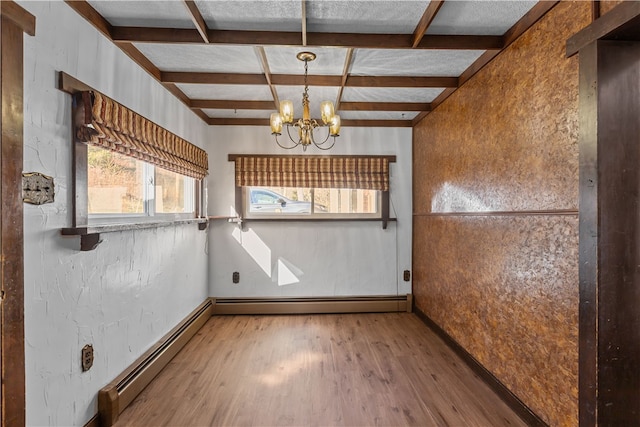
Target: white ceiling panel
column 386, row 62
column 329, row 61
column 202, row 58
column 317, row 94
column 377, row 115
column 238, row 114
column 478, row 17
column 231, row 92
column 384, row 94
column 169, row 14
column 357, row 16
column 252, row 15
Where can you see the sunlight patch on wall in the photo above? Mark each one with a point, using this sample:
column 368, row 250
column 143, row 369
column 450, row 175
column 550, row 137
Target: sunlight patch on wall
column 255, row 247
column 285, row 273
column 451, row 198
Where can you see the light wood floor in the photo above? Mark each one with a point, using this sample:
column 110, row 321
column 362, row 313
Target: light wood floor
column 321, row 370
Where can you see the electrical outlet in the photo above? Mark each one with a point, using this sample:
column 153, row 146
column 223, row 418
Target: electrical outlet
column 236, row 277
column 407, row 275
column 87, row 357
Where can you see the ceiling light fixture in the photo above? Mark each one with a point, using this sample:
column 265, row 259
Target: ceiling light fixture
column 306, row 125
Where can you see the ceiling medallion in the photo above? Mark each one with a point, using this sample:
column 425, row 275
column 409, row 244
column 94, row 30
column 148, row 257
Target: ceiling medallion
column 306, row 125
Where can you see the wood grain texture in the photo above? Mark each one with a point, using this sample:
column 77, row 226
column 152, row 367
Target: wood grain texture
column 338, row 370
column 506, row 286
column 11, row 226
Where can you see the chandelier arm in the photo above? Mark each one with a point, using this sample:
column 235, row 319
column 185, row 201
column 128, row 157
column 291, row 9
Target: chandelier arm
column 326, row 148
column 282, row 146
column 291, row 139
column 318, row 144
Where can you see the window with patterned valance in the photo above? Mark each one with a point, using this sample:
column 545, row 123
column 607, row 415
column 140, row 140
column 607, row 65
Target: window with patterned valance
column 312, row 187
column 108, row 124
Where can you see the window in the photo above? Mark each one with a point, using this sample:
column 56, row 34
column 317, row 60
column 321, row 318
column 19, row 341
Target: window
column 121, row 187
column 128, row 169
column 279, row 202
column 312, row 187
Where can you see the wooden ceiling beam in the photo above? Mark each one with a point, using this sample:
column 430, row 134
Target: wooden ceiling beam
column 197, row 19
column 427, row 17
column 87, row 11
column 215, row 121
column 348, row 62
column 224, row 104
column 385, row 106
column 264, row 63
column 313, row 80
column 401, row 81
column 269, row 38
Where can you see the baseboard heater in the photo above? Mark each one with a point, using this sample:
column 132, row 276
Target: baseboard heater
column 116, row 396
column 321, row 305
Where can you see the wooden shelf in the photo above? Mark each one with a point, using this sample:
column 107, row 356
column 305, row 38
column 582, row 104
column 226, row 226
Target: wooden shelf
column 90, row 234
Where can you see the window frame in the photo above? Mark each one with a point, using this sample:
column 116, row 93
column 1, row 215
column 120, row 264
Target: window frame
column 312, row 215
column 240, row 198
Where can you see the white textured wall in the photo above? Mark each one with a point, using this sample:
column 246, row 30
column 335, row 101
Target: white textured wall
column 307, row 258
column 126, row 294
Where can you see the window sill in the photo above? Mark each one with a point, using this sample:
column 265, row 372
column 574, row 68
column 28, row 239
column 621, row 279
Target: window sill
column 90, row 234
column 383, row 220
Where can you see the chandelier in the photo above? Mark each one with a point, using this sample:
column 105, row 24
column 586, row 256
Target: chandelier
column 306, row 125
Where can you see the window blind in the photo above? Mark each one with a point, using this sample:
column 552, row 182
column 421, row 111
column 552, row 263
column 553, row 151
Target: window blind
column 358, row 172
column 108, row 124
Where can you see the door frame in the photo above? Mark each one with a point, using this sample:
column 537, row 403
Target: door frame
column 14, row 22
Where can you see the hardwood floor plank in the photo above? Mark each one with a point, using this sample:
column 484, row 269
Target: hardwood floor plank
column 317, row 370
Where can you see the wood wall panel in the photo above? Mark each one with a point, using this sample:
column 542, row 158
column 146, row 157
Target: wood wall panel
column 505, row 286
column 507, row 140
column 607, row 5
column 509, row 296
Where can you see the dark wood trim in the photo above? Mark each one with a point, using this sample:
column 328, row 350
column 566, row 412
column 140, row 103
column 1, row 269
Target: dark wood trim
column 144, row 63
column 118, row 394
column 400, row 81
column 621, row 23
column 313, row 80
column 427, row 17
column 197, row 19
column 536, row 13
column 552, row 212
column 385, row 106
column 232, row 105
column 269, row 38
column 94, row 422
column 19, row 16
column 494, row 383
column 348, row 63
column 588, row 236
column 214, row 121
column 233, row 157
column 84, row 9
column 14, row 21
column 595, row 10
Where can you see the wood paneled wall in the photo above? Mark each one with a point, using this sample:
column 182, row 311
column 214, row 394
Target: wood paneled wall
column 495, row 216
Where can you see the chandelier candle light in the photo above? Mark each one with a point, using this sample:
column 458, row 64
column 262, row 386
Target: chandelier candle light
column 306, row 125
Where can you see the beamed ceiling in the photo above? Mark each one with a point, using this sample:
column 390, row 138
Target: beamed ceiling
column 383, row 63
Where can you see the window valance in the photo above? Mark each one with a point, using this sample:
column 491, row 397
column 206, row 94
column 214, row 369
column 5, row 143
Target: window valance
column 110, row 125
column 359, row 172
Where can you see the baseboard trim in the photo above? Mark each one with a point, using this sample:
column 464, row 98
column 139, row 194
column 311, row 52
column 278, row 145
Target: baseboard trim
column 517, row 405
column 94, row 421
column 324, row 305
column 117, row 395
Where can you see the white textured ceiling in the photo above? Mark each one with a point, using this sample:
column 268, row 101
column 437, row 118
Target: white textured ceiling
column 257, row 40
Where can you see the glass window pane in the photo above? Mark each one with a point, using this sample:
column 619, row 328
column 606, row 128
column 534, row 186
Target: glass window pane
column 173, row 192
column 279, row 200
column 345, row 201
column 115, row 182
